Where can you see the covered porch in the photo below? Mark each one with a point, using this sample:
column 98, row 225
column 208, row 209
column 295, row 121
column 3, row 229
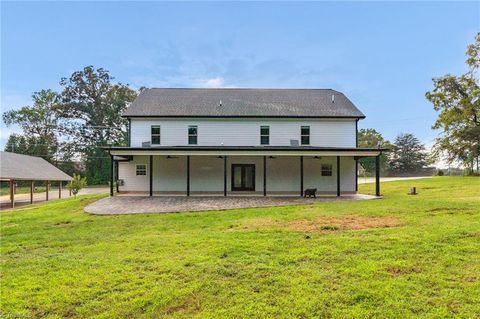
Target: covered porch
column 237, row 171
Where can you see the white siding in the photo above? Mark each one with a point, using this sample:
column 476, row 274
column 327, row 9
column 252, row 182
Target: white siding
column 240, row 132
column 126, row 171
column 206, row 174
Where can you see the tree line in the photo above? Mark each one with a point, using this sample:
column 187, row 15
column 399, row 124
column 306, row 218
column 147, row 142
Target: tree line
column 70, row 128
column 406, row 155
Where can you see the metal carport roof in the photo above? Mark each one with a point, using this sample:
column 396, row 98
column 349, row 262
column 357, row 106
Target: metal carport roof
column 23, row 167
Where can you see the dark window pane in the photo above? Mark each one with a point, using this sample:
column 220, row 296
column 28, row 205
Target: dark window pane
column 192, row 130
column 264, row 130
column 326, row 170
column 192, row 140
column 155, row 139
column 305, row 140
column 264, row 140
column 141, row 170
column 155, row 130
column 305, row 130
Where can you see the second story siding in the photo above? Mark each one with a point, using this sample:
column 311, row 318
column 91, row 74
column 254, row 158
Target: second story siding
column 245, row 132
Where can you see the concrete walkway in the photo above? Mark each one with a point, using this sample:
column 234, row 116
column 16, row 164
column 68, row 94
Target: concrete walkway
column 121, row 205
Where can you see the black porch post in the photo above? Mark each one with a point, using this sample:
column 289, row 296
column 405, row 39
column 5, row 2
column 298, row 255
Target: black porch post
column 116, row 177
column 111, row 175
column 225, row 175
column 264, row 176
column 338, row 175
column 356, row 175
column 377, row 175
column 301, row 176
column 188, row 175
column 151, row 175
column 356, row 159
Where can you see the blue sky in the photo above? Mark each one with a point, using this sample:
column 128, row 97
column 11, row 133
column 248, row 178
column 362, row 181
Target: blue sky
column 382, row 55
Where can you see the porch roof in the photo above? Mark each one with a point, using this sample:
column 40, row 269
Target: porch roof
column 247, row 151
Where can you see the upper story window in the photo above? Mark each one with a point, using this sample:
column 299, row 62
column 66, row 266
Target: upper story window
column 140, row 169
column 192, row 134
column 305, row 135
column 264, row 135
column 155, row 135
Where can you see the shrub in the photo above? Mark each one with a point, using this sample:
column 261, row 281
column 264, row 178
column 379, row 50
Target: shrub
column 440, row 172
column 76, row 184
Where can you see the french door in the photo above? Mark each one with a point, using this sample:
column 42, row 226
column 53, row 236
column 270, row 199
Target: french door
column 243, row 177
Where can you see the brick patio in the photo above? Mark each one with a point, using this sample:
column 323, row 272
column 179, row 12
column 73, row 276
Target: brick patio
column 121, row 205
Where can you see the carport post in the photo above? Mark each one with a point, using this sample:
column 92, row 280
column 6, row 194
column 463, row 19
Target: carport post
column 377, row 175
column 47, row 184
column 59, row 189
column 111, row 175
column 12, row 193
column 32, row 186
column 338, row 175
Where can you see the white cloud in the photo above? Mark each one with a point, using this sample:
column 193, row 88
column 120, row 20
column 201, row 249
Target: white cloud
column 217, row 82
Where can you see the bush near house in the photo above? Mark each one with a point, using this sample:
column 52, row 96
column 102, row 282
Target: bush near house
column 399, row 257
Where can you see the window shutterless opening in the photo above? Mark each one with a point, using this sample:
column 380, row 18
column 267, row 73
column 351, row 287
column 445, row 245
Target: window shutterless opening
column 192, row 134
column 141, row 169
column 264, row 135
column 155, row 135
column 305, row 135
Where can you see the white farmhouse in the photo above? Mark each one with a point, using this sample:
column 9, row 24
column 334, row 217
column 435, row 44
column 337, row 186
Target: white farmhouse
column 240, row 141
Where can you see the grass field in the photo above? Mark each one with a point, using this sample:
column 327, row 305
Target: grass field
column 399, row 257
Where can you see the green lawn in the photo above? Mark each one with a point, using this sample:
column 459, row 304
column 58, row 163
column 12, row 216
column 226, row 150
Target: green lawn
column 290, row 262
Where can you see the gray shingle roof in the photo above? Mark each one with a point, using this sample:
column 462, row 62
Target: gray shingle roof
column 24, row 167
column 242, row 103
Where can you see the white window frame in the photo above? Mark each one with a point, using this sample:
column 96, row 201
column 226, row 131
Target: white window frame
column 188, row 134
column 267, row 135
column 302, row 135
column 159, row 135
column 136, row 169
column 326, row 165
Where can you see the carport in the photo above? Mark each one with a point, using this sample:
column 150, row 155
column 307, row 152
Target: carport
column 17, row 167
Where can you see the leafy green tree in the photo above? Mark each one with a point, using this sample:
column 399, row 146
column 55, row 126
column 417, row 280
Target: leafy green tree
column 457, row 99
column 370, row 138
column 90, row 111
column 16, row 144
column 76, row 184
column 38, row 124
column 408, row 154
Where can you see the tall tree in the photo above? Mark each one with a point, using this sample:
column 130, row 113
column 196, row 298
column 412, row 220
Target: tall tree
column 370, row 138
column 457, row 99
column 408, row 154
column 38, row 124
column 90, row 113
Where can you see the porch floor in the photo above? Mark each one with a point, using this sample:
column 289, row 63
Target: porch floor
column 121, row 205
